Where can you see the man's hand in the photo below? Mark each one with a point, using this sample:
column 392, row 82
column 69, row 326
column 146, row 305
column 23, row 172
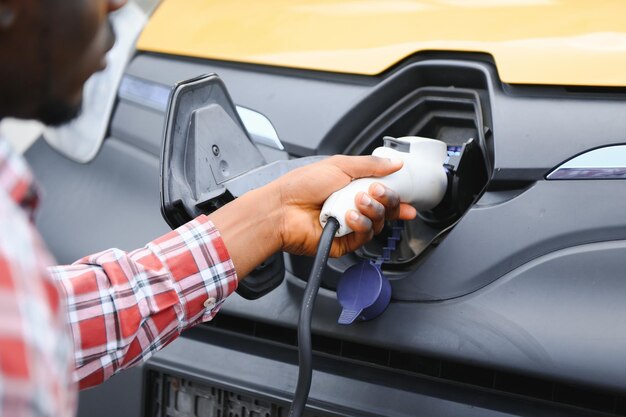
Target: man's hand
column 304, row 191
column 284, row 215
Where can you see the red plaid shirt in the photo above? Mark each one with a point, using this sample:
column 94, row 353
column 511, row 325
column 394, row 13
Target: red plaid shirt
column 83, row 322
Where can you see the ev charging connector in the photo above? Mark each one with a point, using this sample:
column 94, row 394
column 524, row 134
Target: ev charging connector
column 363, row 291
column 421, row 182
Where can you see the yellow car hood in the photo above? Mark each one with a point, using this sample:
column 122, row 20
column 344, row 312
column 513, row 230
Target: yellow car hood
column 532, row 41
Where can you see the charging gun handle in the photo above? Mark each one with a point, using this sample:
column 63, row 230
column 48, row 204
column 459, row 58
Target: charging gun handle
column 421, row 182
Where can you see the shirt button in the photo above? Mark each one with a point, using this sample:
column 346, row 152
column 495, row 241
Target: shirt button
column 210, row 302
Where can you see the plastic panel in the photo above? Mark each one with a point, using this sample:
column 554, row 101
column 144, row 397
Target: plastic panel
column 555, row 317
column 491, row 240
column 323, row 113
column 301, row 109
column 268, row 371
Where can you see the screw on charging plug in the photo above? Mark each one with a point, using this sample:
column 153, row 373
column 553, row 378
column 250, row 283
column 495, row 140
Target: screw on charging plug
column 216, row 150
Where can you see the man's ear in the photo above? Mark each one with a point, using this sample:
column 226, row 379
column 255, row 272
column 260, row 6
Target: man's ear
column 8, row 13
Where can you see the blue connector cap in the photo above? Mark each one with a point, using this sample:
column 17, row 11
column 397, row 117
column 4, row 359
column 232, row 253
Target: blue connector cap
column 363, row 292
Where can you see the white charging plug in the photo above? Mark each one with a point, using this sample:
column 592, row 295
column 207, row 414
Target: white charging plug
column 421, row 182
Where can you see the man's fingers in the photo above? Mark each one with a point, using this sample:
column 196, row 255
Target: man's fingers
column 366, row 166
column 371, row 208
column 365, row 224
column 362, row 233
column 358, row 222
column 387, row 197
column 407, row 212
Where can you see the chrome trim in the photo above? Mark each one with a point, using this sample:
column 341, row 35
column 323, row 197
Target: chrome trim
column 603, row 163
column 260, row 128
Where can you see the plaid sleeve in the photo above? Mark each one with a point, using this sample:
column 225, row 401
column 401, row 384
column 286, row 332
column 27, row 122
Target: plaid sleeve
column 123, row 307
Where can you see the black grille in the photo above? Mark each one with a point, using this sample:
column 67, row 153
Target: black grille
column 588, row 398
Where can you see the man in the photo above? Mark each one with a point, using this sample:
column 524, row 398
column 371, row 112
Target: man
column 109, row 311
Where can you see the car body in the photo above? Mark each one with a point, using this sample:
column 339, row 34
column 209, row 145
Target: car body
column 517, row 310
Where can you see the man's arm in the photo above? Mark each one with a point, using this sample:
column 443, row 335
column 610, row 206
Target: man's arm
column 123, row 307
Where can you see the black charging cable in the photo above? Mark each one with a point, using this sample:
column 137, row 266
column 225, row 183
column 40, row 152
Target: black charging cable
column 305, row 352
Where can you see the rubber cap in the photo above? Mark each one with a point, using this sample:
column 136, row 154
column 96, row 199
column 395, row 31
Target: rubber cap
column 363, row 292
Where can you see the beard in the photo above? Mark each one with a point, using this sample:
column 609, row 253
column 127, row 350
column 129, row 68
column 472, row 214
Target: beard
column 51, row 110
column 57, row 112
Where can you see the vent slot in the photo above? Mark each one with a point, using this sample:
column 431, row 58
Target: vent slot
column 524, row 385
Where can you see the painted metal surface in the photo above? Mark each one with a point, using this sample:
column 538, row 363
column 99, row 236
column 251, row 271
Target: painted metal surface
column 565, row 42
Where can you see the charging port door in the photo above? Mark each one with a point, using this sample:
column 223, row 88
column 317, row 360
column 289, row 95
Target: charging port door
column 206, row 147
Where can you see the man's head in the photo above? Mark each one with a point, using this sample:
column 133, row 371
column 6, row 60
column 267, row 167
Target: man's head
column 48, row 49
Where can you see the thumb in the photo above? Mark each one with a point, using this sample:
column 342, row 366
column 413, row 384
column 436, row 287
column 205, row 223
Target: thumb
column 366, row 166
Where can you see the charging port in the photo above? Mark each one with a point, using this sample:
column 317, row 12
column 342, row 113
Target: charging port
column 454, row 116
